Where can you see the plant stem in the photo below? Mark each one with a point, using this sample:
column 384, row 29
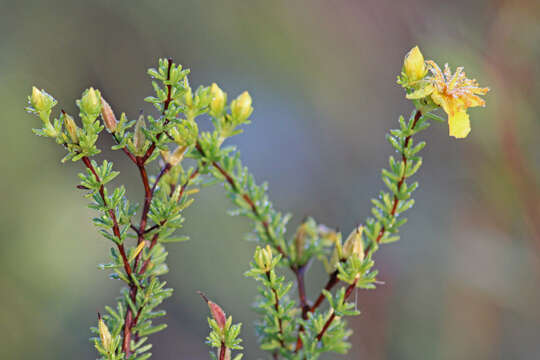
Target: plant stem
column 156, row 235
column 300, row 281
column 147, row 198
column 166, row 104
column 417, row 117
column 280, row 323
column 348, row 293
column 121, row 249
column 332, row 281
column 222, row 351
column 333, row 278
column 116, row 227
column 125, row 150
column 148, row 195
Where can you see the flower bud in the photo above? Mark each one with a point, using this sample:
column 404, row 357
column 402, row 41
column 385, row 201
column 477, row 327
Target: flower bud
column 217, row 312
column 71, row 127
column 335, row 258
column 300, row 240
column 108, row 116
column 241, row 107
column 414, row 65
column 138, row 135
column 90, row 102
column 354, row 245
column 104, row 334
column 37, row 99
column 263, row 258
column 188, row 97
column 219, row 98
column 40, row 100
column 176, row 157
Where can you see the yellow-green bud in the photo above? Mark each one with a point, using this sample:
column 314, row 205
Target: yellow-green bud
column 107, row 114
column 219, row 98
column 104, row 335
column 138, row 135
column 354, row 245
column 175, row 157
column 414, row 65
column 263, row 258
column 90, row 102
column 37, row 99
column 188, row 97
column 71, row 128
column 331, row 266
column 241, row 107
column 40, row 100
column 300, row 240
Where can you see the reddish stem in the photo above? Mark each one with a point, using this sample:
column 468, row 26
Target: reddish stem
column 417, row 117
column 165, row 108
column 299, row 273
column 156, row 236
column 348, row 293
column 148, row 195
column 222, row 351
column 116, row 227
column 280, row 323
column 147, row 198
column 332, row 281
column 126, row 151
column 127, row 267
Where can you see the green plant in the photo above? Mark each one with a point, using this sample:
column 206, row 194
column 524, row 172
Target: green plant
column 288, row 328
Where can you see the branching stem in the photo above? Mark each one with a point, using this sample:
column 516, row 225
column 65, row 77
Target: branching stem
column 348, row 293
column 140, row 161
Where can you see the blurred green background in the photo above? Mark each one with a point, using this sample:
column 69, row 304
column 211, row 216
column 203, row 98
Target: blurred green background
column 462, row 284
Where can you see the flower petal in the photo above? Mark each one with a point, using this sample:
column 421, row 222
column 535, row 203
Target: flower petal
column 442, row 100
column 459, row 124
column 474, row 100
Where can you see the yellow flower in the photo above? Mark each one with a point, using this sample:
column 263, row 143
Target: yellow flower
column 414, row 65
column 455, row 93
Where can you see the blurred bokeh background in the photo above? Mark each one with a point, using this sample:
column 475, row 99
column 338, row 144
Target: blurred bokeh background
column 463, row 283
